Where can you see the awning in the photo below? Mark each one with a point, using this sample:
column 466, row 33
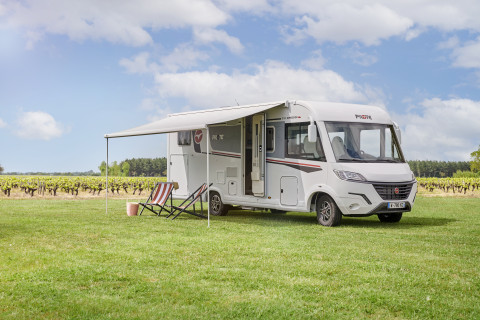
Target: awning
column 195, row 120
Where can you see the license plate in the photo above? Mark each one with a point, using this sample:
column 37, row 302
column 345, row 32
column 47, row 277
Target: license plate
column 396, row 205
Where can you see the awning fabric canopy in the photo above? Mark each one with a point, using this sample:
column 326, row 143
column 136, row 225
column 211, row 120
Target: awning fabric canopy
column 194, row 120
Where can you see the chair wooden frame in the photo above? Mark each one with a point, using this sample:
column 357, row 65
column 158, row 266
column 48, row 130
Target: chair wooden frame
column 158, row 198
column 190, row 201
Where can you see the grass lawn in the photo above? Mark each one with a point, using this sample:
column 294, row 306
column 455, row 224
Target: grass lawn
column 66, row 259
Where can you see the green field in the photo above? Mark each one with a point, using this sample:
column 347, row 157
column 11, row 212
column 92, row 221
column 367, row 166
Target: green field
column 67, row 259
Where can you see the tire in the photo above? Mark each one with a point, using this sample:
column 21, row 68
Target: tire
column 390, row 217
column 328, row 214
column 276, row 211
column 217, row 207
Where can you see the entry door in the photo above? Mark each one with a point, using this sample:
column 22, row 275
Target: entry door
column 258, row 155
column 179, row 173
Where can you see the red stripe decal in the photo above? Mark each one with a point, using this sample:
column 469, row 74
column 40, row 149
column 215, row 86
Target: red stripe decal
column 226, row 154
column 294, row 163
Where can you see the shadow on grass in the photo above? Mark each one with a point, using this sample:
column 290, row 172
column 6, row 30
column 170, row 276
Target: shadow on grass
column 10, row 229
column 257, row 217
column 406, row 222
column 265, row 217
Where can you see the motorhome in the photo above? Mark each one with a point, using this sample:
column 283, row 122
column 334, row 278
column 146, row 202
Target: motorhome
column 331, row 159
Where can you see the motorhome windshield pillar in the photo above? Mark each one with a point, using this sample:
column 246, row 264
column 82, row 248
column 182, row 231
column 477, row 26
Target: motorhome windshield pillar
column 312, row 131
column 398, row 132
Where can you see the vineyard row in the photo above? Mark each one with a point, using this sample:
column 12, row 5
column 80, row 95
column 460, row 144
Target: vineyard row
column 455, row 185
column 42, row 185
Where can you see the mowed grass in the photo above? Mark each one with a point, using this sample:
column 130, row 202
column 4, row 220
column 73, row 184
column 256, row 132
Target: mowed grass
column 67, row 259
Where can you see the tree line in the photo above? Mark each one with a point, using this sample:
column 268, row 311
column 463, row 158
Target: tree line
column 438, row 169
column 145, row 167
column 157, row 167
column 141, row 167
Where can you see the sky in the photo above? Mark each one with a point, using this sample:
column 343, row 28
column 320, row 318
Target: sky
column 72, row 71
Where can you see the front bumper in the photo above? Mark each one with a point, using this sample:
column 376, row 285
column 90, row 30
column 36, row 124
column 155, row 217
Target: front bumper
column 369, row 198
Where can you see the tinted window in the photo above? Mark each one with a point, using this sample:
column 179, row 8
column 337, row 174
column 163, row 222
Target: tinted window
column 270, row 139
column 184, row 138
column 297, row 144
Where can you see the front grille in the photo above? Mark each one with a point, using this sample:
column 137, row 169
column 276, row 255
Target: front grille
column 393, row 191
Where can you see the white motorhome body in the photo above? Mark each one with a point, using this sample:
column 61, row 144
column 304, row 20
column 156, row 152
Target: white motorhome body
column 332, row 158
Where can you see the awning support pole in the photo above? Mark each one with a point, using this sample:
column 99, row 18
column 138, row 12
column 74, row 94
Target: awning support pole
column 106, row 183
column 208, row 175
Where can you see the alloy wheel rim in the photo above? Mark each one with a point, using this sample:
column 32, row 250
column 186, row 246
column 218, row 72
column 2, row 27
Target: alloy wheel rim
column 215, row 203
column 326, row 211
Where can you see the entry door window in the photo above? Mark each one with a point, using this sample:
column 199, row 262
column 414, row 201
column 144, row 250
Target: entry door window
column 270, row 139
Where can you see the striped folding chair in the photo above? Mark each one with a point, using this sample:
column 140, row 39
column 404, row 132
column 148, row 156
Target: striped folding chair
column 158, row 198
column 188, row 204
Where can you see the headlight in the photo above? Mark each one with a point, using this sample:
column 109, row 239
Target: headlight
column 351, row 176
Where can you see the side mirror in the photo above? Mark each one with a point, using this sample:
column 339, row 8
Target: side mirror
column 312, row 133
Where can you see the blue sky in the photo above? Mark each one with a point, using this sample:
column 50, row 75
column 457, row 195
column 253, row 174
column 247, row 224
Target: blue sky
column 72, row 71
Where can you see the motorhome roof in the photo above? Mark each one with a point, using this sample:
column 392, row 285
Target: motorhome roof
column 346, row 112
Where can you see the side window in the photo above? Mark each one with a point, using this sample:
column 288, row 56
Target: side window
column 298, row 146
column 226, row 138
column 184, row 138
column 270, row 139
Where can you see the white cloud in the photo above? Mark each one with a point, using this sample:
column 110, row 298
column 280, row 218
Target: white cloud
column 131, row 23
column 467, row 56
column 3, row 124
column 359, row 57
column 38, row 125
column 253, row 6
column 138, row 64
column 442, row 15
column 120, row 21
column 443, row 129
column 3, row 10
column 210, row 35
column 371, row 21
column 342, row 22
column 183, row 57
column 316, row 62
column 450, row 43
column 270, row 82
column 413, row 33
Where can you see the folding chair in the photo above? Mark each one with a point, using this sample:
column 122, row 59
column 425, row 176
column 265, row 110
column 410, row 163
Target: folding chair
column 189, row 202
column 158, row 198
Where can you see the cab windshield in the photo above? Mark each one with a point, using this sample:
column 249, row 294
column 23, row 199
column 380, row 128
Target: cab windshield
column 364, row 142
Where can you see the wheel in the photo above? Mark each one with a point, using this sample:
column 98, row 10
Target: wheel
column 390, row 217
column 217, row 207
column 328, row 214
column 276, row 211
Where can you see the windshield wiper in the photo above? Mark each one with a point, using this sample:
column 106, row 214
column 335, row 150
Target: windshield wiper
column 388, row 160
column 352, row 159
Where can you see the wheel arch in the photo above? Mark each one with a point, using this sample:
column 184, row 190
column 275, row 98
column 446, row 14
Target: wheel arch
column 315, row 194
column 210, row 190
